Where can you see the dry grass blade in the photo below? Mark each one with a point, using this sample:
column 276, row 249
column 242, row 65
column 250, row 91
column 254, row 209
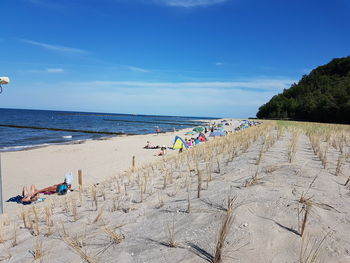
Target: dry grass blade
column 99, row 215
column 14, row 241
column 199, row 183
column 306, row 210
column 223, row 231
column 260, row 155
column 310, row 250
column 74, row 209
column 48, row 214
column 115, row 237
column 323, row 157
column 270, row 169
column 73, row 244
column 36, row 223
column 292, row 149
column 218, row 164
column 338, row 169
column 24, row 218
column 94, row 196
column 160, row 201
column 253, row 180
column 2, row 234
column 37, row 252
column 188, row 203
column 170, row 234
column 347, row 181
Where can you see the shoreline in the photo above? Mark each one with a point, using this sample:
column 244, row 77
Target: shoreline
column 18, row 148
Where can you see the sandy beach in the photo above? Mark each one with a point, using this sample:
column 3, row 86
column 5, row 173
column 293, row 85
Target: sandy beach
column 281, row 198
column 98, row 160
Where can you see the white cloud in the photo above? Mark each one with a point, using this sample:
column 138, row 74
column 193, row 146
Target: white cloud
column 190, row 3
column 47, row 70
column 57, row 48
column 54, row 70
column 137, row 69
column 255, row 84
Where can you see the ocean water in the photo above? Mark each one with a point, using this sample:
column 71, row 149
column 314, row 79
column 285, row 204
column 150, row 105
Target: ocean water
column 20, row 138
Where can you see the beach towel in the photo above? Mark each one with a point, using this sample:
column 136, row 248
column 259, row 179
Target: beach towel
column 18, row 199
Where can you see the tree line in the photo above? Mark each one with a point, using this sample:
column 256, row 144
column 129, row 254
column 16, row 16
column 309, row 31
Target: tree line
column 322, row 96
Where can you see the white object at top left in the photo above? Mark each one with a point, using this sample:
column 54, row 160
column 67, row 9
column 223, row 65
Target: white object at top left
column 4, row 80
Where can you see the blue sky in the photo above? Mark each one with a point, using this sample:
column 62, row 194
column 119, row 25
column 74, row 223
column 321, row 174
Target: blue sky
column 220, row 58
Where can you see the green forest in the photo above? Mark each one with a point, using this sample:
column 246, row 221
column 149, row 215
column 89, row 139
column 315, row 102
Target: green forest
column 321, row 96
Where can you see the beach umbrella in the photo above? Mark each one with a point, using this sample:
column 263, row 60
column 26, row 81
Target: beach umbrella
column 198, row 129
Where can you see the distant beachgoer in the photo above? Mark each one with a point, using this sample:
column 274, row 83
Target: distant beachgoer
column 162, row 150
column 182, row 148
column 157, row 130
column 150, row 146
column 189, row 143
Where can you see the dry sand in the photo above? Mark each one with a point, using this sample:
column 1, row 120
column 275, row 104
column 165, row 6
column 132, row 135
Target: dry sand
column 98, row 160
column 265, row 228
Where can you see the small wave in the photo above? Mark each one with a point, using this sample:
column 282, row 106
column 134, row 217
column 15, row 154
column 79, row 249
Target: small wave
column 22, row 147
column 67, row 137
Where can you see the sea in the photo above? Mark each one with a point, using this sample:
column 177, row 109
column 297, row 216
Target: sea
column 24, row 129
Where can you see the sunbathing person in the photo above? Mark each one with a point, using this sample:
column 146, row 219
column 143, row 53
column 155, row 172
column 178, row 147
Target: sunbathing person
column 162, row 151
column 150, row 146
column 33, row 194
column 29, row 196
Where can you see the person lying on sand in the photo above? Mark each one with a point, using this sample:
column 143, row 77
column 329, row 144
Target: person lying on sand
column 33, row 194
column 150, row 146
column 162, row 151
column 29, row 196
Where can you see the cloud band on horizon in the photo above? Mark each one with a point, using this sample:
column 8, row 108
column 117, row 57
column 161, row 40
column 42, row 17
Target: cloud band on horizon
column 254, row 85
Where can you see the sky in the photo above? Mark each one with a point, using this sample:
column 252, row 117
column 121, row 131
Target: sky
column 213, row 58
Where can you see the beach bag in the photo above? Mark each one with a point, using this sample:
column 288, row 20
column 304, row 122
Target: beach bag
column 62, row 189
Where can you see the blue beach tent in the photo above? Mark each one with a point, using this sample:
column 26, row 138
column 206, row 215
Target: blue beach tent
column 217, row 133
